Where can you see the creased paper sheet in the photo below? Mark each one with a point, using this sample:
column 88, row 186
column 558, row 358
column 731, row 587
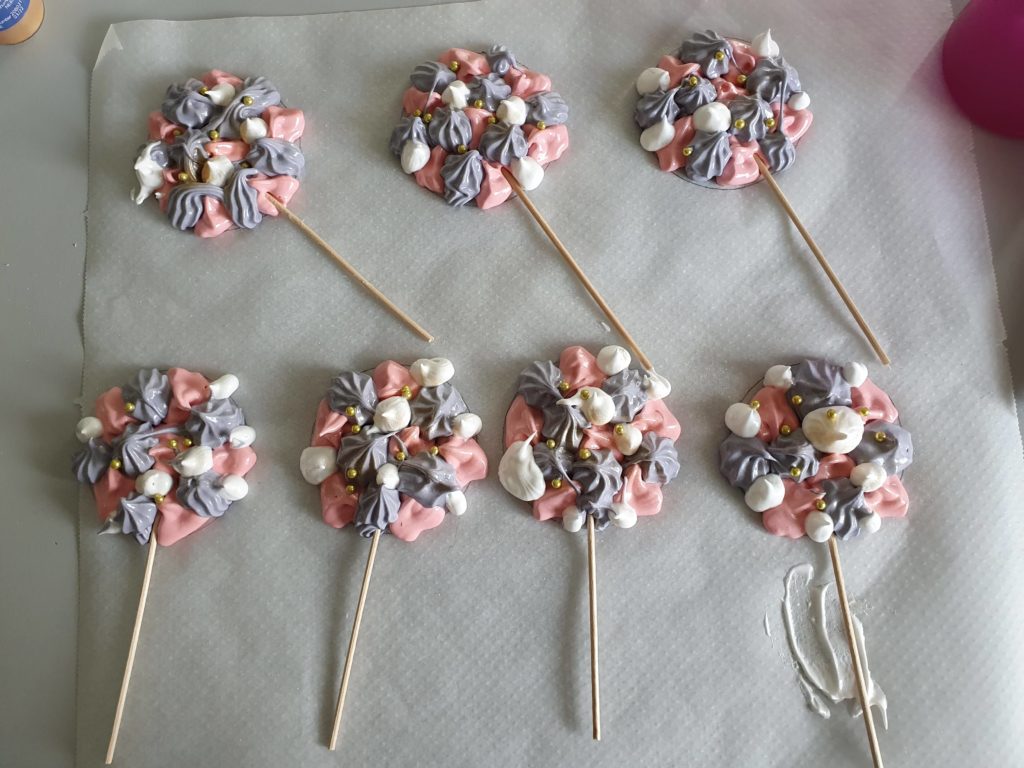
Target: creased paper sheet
column 474, row 645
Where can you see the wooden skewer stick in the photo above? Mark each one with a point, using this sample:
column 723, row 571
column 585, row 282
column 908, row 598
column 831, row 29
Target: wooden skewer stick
column 352, row 271
column 577, row 270
column 354, row 639
column 822, row 261
column 851, row 639
column 119, row 712
column 595, row 686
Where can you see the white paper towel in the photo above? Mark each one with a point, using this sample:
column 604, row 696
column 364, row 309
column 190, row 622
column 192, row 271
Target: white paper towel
column 474, row 646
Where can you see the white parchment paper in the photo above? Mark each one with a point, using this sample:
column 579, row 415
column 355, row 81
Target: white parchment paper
column 474, row 646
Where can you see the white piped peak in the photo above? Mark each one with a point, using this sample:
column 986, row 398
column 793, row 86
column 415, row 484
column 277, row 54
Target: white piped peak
column 779, row 376
column 242, row 436
column 519, row 473
column 217, row 170
column 233, row 487
column 868, row 476
column 88, row 428
column 652, row 79
column 456, row 95
column 613, row 359
column 765, row 493
column 528, row 172
column 819, row 527
column 317, row 463
column 657, row 136
column 764, row 45
column 148, row 173
column 466, row 425
column 224, row 387
column 596, row 404
column 799, row 100
column 712, row 118
column 855, row 373
column 656, row 386
column 512, row 111
column 742, row 420
column 153, row 482
column 871, row 523
column 415, row 155
column 392, row 414
column 196, row 461
column 627, row 439
column 573, row 519
column 221, row 94
column 833, row 429
column 456, row 503
column 252, row 129
column 622, row 515
column 387, row 475
column 432, row 371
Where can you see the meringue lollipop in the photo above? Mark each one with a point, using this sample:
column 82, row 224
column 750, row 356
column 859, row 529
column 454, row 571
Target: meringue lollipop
column 819, row 451
column 393, row 451
column 165, row 454
column 478, row 127
column 222, row 153
column 589, row 440
column 726, row 113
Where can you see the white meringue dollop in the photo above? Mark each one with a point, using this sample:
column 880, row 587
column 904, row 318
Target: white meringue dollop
column 456, row 503
column 233, row 487
column 855, row 373
column 627, row 439
column 713, row 118
column 528, row 172
column 799, row 100
column 252, row 129
column 596, row 404
column 217, row 170
column 392, row 414
column 196, row 461
column 656, row 386
column 317, row 463
column 765, row 493
column 779, row 376
column 221, row 94
column 466, row 425
column 573, row 519
column 622, row 515
column 868, row 476
column 519, row 473
column 223, row 387
column 613, row 359
column 512, row 111
column 432, row 371
column 652, row 79
column 153, row 482
column 242, row 436
column 88, row 428
column 833, row 429
column 456, row 95
column 763, row 45
column 657, row 136
column 742, row 420
column 819, row 527
column 387, row 475
column 415, row 155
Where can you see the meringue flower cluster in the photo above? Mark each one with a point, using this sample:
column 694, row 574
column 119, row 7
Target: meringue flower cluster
column 394, row 449
column 219, row 148
column 468, row 115
column 710, row 109
column 818, row 450
column 166, row 453
column 590, row 436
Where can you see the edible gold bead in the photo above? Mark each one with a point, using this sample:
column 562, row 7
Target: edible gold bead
column 541, row 125
column 551, row 444
column 428, row 117
column 741, row 79
column 556, row 483
column 176, row 132
column 351, row 473
column 115, row 464
column 182, row 176
column 563, row 385
column 434, row 450
column 620, row 428
column 417, row 113
column 880, row 437
column 214, row 134
column 832, row 415
column 158, row 498
column 350, row 488
column 187, row 442
column 585, row 453
column 204, row 90
column 755, row 404
column 492, row 120
column 739, row 123
column 350, row 411
column 405, row 392
column 785, row 429
column 796, row 399
column 692, row 81
column 719, row 55
column 247, row 100
column 129, row 407
column 687, row 151
column 400, row 456
column 462, row 149
column 769, row 122
column 864, row 411
column 820, row 505
column 795, row 471
column 454, row 66
column 243, row 164
column 479, row 103
column 172, row 444
column 584, row 394
column 356, row 429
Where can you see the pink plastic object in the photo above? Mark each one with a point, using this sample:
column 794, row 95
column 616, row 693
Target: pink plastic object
column 988, row 39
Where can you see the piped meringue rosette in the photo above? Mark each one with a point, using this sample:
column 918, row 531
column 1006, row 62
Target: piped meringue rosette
column 394, row 449
column 468, row 115
column 590, row 436
column 706, row 111
column 166, row 453
column 818, row 450
column 217, row 149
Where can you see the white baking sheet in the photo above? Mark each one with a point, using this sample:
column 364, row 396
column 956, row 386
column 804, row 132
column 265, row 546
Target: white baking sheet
column 474, row 646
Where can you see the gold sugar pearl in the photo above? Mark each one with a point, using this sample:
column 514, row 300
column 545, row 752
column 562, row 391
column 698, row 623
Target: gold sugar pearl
column 400, row 456
column 129, row 407
column 204, row 90
column 820, row 505
column 584, row 394
column 350, row 489
column 541, row 125
column 158, row 498
column 563, row 385
column 115, row 464
column 620, row 429
column 585, row 453
column 719, row 55
column 785, row 429
column 795, row 471
column 356, row 429
column 405, row 392
column 492, row 120
column 417, row 113
column 796, row 399
column 880, row 437
column 739, row 123
column 182, row 176
column 832, row 415
column 172, row 444
column 428, row 117
column 214, row 134
column 769, row 122
column 692, row 80
column 454, row 66
column 741, row 79
column 551, row 444
column 350, row 411
column 187, row 442
column 687, row 151
column 864, row 411
column 755, row 404
column 556, row 483
column 351, row 473
column 462, row 149
column 176, row 132
column 479, row 103
column 248, row 100
column 434, row 450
